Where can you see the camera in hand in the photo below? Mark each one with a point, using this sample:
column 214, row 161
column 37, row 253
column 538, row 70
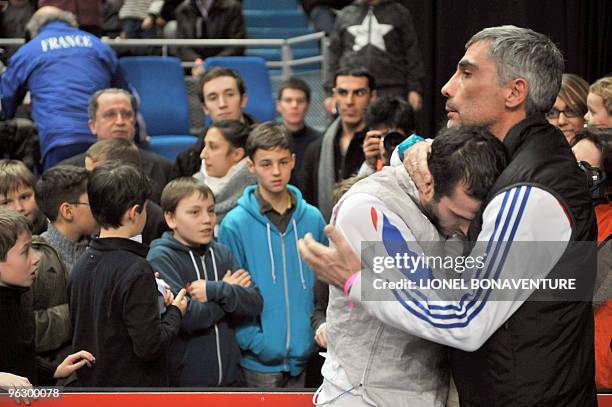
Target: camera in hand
column 391, row 139
column 596, row 181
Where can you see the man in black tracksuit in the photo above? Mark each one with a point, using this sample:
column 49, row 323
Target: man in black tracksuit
column 380, row 36
column 530, row 349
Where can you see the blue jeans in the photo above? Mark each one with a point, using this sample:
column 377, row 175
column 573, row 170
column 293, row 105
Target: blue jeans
column 273, row 380
column 132, row 27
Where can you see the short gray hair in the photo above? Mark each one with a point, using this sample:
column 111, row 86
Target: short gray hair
column 92, row 107
column 38, row 20
column 523, row 53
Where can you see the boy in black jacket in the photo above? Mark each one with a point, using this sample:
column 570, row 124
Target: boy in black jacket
column 19, row 366
column 207, row 353
column 112, row 290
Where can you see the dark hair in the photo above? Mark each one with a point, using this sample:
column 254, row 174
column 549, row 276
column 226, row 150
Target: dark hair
column 294, row 83
column 268, row 136
column 217, row 72
column 357, row 71
column 392, row 111
column 113, row 189
column 14, row 174
column 118, row 149
column 92, row 107
column 602, row 139
column 234, row 131
column 12, row 224
column 181, row 188
column 64, row 183
column 465, row 154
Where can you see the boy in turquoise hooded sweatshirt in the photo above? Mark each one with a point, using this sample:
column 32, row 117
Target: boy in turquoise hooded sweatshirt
column 262, row 232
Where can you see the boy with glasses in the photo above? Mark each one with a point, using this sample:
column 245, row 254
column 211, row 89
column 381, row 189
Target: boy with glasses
column 61, row 193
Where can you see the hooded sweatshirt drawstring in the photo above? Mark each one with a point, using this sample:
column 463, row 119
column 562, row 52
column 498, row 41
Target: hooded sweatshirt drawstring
column 195, row 265
column 298, row 254
column 270, row 251
column 214, row 262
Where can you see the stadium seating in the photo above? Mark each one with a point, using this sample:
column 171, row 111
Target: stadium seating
column 160, row 84
column 279, row 19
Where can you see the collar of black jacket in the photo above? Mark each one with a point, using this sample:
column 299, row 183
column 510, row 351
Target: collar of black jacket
column 13, row 290
column 108, row 244
column 517, row 133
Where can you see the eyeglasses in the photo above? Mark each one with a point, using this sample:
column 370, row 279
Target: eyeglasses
column 555, row 113
column 113, row 114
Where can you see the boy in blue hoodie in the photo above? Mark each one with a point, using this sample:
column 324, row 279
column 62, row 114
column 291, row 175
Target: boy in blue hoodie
column 262, row 232
column 206, row 353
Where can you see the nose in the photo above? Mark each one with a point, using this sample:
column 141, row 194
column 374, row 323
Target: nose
column 350, row 98
column 18, row 206
column 203, row 153
column 587, row 116
column 222, row 101
column 448, row 88
column 208, row 218
column 35, row 258
column 275, row 169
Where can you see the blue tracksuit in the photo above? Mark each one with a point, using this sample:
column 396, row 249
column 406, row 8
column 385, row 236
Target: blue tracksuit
column 61, row 67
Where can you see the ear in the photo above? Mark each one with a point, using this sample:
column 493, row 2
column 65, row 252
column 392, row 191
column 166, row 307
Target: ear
column 374, row 95
column 427, row 195
column 92, row 126
column 292, row 161
column 170, row 220
column 64, row 212
column 518, row 89
column 251, row 165
column 133, row 212
column 238, row 154
column 244, row 101
column 89, row 163
column 278, row 109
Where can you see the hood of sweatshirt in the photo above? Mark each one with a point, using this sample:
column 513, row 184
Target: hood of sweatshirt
column 249, row 203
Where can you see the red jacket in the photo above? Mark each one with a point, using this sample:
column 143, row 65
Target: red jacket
column 603, row 314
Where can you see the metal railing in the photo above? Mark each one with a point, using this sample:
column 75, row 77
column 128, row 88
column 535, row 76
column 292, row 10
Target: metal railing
column 286, row 63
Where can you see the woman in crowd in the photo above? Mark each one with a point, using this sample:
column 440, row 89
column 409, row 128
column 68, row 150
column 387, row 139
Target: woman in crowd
column 224, row 167
column 570, row 106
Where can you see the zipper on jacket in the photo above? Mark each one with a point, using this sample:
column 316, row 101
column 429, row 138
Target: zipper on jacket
column 220, row 364
column 370, row 16
column 288, row 341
